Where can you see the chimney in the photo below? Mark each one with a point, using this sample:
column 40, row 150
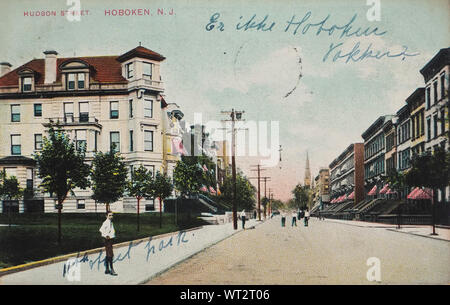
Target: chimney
column 5, row 67
column 50, row 66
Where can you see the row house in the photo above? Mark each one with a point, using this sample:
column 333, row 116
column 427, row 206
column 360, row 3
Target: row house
column 347, row 174
column 403, row 138
column 417, row 116
column 322, row 187
column 102, row 102
column 436, row 77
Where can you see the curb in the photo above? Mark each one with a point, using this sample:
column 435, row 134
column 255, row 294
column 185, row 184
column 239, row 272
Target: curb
column 64, row 257
column 415, row 234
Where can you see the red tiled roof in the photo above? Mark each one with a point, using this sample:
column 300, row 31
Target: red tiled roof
column 104, row 69
column 141, row 52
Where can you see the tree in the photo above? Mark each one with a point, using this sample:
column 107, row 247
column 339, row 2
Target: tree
column 187, row 176
column 264, row 202
column 109, row 177
column 9, row 188
column 61, row 167
column 138, row 186
column 161, row 187
column 245, row 192
column 301, row 197
column 396, row 180
column 430, row 171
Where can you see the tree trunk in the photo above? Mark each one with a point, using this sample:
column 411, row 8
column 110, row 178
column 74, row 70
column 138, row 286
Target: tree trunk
column 59, row 222
column 160, row 213
column 138, row 222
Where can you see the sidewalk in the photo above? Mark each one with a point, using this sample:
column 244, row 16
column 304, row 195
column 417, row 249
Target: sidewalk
column 418, row 230
column 136, row 262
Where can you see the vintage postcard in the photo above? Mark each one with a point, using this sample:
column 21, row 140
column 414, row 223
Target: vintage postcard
column 224, row 143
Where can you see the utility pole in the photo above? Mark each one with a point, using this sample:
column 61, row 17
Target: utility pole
column 235, row 116
column 258, row 169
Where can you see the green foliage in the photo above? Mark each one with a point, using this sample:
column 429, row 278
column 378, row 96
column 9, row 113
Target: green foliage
column 396, row 180
column 9, row 187
column 60, row 166
column 301, row 197
column 245, row 192
column 429, row 170
column 265, row 201
column 141, row 180
column 189, row 175
column 109, row 177
column 277, row 204
column 161, row 186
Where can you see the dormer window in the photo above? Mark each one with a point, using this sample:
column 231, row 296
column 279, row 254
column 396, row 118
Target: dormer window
column 80, row 80
column 71, row 81
column 147, row 70
column 75, row 81
column 129, row 70
column 26, row 84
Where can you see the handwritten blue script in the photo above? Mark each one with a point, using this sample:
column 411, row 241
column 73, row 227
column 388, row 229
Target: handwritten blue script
column 323, row 27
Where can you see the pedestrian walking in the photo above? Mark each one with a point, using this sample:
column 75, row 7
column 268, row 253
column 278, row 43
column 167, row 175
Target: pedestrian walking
column 254, row 214
column 243, row 219
column 306, row 217
column 294, row 219
column 108, row 234
column 283, row 219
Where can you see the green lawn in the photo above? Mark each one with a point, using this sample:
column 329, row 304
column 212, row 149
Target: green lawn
column 34, row 236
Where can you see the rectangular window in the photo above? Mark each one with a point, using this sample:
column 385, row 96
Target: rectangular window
column 130, row 108
column 15, row 113
column 80, row 80
column 131, row 141
column 442, row 85
column 26, row 84
column 84, row 111
column 81, row 139
column 37, row 141
column 422, row 122
column 148, row 108
column 435, row 89
column 71, row 81
column 68, row 112
column 95, row 140
column 443, row 121
column 29, row 178
column 114, row 110
column 16, row 148
column 435, row 125
column 148, row 140
column 37, row 110
column 427, row 98
column 114, row 140
column 81, row 204
column 147, row 69
column 413, row 127
column 129, row 68
column 150, row 169
column 428, row 128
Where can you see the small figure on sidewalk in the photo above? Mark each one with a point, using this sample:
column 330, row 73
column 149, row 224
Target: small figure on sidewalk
column 108, row 234
column 306, row 217
column 254, row 214
column 243, row 219
column 283, row 219
column 294, row 219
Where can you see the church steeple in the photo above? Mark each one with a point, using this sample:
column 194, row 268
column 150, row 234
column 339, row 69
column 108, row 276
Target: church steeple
column 307, row 181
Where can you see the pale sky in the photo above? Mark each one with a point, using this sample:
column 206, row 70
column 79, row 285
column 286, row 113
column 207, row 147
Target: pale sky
column 333, row 102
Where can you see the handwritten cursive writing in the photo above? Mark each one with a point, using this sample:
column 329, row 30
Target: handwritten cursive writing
column 356, row 54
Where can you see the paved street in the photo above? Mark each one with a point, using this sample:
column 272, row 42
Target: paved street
column 326, row 252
